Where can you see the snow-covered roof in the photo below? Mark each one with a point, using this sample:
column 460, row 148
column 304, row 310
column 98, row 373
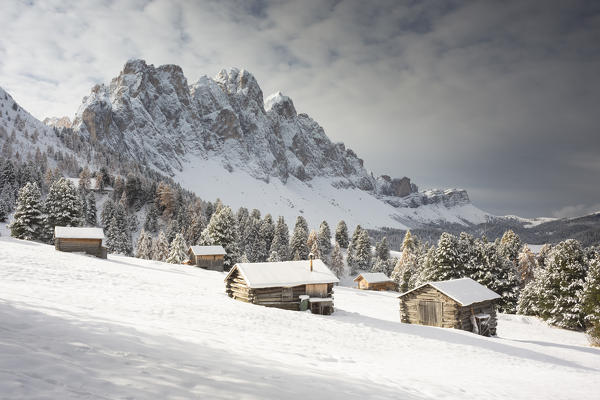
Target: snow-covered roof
column 208, row 250
column 71, row 232
column 373, row 277
column 284, row 273
column 465, row 291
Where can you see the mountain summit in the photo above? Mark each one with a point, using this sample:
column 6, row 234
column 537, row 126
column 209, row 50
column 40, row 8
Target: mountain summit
column 220, row 138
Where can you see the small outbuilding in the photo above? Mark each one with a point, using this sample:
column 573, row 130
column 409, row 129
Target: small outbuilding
column 375, row 281
column 207, row 257
column 291, row 285
column 459, row 303
column 80, row 240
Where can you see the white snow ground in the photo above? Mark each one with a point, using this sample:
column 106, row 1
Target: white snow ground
column 73, row 326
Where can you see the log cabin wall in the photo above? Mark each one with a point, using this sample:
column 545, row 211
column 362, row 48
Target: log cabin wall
column 88, row 246
column 429, row 300
column 287, row 298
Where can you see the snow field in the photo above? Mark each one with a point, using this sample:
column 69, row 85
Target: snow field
column 73, row 326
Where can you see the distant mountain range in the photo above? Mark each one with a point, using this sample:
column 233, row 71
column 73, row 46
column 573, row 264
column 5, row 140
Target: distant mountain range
column 220, row 138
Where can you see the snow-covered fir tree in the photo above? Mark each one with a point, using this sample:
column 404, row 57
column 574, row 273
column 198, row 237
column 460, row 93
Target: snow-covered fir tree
column 118, row 237
column 62, row 206
column 144, row 246
column 362, row 253
column 281, row 240
column 90, row 215
column 324, row 239
column 350, row 254
column 341, row 234
column 222, row 230
column 160, row 248
column 244, row 258
column 173, row 229
column 151, row 221
column 193, row 232
column 256, row 248
column 337, row 261
column 406, row 269
column 382, row 249
column 4, row 208
column 590, row 301
column 315, row 251
column 527, row 265
column 298, row 241
column 566, row 271
column 267, row 231
column 509, row 247
column 107, row 213
column 177, row 250
column 427, row 267
column 243, row 219
column 446, row 264
column 498, row 274
column 28, row 221
column 274, row 257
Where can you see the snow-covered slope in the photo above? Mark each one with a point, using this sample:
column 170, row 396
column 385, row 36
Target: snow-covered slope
column 221, row 131
column 79, row 327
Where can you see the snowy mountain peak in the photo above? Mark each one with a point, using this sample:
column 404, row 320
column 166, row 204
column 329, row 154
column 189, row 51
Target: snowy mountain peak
column 241, row 85
column 280, row 104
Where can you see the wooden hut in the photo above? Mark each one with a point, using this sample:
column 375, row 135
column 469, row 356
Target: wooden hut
column 375, row 281
column 80, row 240
column 291, row 285
column 458, row 303
column 208, row 257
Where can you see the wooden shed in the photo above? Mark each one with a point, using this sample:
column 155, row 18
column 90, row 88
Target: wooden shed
column 291, row 285
column 375, row 281
column 80, row 240
column 458, row 303
column 208, row 257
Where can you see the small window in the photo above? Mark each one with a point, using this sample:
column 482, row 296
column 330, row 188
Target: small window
column 287, row 294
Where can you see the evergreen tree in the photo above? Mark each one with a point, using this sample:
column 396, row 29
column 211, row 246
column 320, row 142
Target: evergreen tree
column 382, row 250
column 4, row 208
column 341, row 234
column 256, row 248
column 510, row 244
column 160, row 249
column 178, row 250
column 497, row 273
column 428, row 267
column 151, row 222
column 193, row 233
column 380, row 265
column 446, row 263
column 222, row 230
column 531, row 300
column 324, row 239
column 527, row 265
column 62, row 206
column 267, row 231
column 28, row 222
column 298, row 242
column 337, row 261
column 172, row 230
column 566, row 275
column 281, row 239
column 362, row 253
column 350, row 254
column 91, row 211
column 590, row 301
column 144, row 246
column 315, row 250
column 107, row 213
column 274, row 257
column 406, row 270
column 118, row 237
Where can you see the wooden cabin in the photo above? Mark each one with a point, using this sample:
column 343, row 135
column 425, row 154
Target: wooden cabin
column 458, row 303
column 80, row 240
column 207, row 257
column 375, row 281
column 291, row 285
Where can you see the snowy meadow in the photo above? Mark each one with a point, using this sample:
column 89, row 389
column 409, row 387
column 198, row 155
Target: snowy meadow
column 74, row 326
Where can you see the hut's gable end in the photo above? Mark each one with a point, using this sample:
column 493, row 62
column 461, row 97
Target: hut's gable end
column 485, row 307
column 427, row 305
column 237, row 288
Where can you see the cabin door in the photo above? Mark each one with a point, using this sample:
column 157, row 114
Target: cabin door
column 430, row 313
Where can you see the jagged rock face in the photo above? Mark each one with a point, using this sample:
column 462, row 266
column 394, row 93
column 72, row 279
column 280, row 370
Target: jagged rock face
column 58, row 122
column 153, row 115
column 449, row 198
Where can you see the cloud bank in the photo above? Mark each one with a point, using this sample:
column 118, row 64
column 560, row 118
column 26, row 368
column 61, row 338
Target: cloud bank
column 500, row 98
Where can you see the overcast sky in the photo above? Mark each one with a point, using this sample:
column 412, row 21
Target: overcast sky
column 499, row 98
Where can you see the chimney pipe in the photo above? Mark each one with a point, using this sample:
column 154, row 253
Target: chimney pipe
column 311, row 256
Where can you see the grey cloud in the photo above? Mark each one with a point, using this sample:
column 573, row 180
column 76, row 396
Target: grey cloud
column 497, row 97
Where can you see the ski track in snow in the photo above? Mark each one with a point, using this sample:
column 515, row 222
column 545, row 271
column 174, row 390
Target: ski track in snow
column 74, row 326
